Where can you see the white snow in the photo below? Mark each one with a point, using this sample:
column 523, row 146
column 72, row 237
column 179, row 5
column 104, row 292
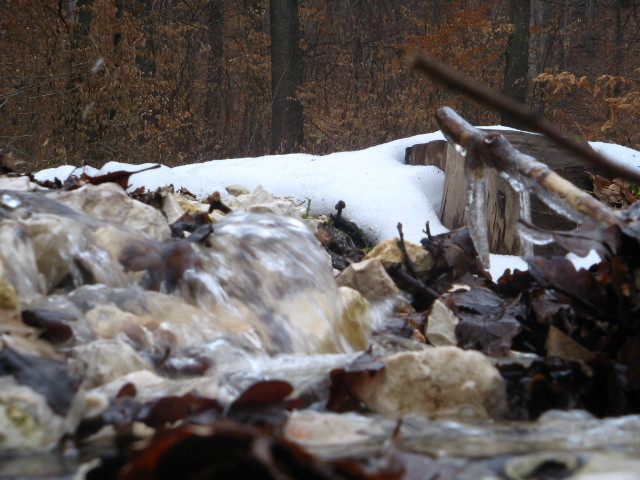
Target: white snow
column 377, row 187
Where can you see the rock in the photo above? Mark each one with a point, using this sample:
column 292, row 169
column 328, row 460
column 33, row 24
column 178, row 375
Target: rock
column 18, row 259
column 327, row 429
column 261, row 201
column 237, row 190
column 8, row 295
column 110, row 202
column 170, row 206
column 168, row 322
column 609, row 466
column 371, row 279
column 105, row 360
column 441, row 325
column 17, row 183
column 388, row 252
column 440, row 381
column 27, row 422
column 356, row 321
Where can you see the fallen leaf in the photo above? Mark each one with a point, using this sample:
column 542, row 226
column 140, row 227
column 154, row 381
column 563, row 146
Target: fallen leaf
column 487, row 322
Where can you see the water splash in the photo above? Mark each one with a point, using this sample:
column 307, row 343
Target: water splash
column 263, row 277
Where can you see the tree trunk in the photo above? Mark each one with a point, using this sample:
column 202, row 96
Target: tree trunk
column 213, row 38
column 517, row 61
column 588, row 34
column 619, row 55
column 287, row 132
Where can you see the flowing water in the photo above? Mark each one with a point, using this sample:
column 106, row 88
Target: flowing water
column 256, row 298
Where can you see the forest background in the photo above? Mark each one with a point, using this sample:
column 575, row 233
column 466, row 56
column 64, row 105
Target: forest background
column 180, row 81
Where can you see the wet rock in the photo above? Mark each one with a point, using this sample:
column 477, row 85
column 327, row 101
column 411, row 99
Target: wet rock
column 159, row 321
column 542, row 465
column 111, row 203
column 440, row 329
column 388, row 252
column 18, row 260
column 371, row 279
column 340, row 431
column 38, row 400
column 356, row 320
column 8, row 294
column 237, row 190
column 441, row 381
column 609, row 466
column 27, row 421
column 102, row 361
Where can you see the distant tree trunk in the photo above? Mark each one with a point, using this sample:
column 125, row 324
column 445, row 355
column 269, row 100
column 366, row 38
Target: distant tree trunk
column 145, row 59
column 517, row 61
column 566, row 35
column 287, row 133
column 588, row 34
column 213, row 37
column 619, row 55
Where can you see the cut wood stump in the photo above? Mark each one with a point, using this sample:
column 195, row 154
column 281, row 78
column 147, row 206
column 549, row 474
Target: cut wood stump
column 503, row 207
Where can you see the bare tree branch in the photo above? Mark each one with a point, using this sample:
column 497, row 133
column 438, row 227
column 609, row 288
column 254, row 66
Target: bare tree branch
column 494, row 150
column 516, row 110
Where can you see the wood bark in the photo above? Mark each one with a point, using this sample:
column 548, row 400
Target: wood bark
column 507, row 105
column 287, row 132
column 495, row 151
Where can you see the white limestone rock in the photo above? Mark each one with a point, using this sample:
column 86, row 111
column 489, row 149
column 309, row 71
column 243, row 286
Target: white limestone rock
column 441, row 381
column 374, row 283
column 356, row 320
column 106, row 360
column 262, row 201
column 440, row 330
column 237, row 190
column 110, row 202
column 22, row 184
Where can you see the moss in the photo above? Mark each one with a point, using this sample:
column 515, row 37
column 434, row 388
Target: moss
column 8, row 295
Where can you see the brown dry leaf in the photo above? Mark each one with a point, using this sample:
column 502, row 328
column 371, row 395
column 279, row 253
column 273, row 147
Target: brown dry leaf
column 120, row 177
column 487, row 322
column 559, row 345
column 345, row 381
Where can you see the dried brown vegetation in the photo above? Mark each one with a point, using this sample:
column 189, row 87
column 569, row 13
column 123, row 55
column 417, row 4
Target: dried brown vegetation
column 88, row 81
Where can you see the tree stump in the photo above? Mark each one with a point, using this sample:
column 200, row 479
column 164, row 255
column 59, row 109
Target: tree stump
column 502, row 202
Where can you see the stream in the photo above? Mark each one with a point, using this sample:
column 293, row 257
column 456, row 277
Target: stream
column 96, row 295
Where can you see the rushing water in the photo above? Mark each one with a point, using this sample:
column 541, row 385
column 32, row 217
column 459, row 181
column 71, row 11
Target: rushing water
column 256, row 298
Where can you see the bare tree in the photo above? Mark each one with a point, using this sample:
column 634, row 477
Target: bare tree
column 517, row 61
column 287, row 132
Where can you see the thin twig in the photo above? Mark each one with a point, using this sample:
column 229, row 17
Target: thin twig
column 508, row 106
column 406, row 259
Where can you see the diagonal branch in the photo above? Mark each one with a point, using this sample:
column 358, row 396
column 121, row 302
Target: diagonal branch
column 516, row 110
column 494, row 150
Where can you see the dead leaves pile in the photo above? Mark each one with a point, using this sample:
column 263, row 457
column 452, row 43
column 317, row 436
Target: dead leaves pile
column 583, row 326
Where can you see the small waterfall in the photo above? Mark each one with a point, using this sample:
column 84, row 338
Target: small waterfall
column 261, row 277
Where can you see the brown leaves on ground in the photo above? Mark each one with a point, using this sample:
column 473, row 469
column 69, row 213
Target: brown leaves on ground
column 582, row 324
column 617, row 193
column 120, row 177
column 487, row 322
column 211, row 442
